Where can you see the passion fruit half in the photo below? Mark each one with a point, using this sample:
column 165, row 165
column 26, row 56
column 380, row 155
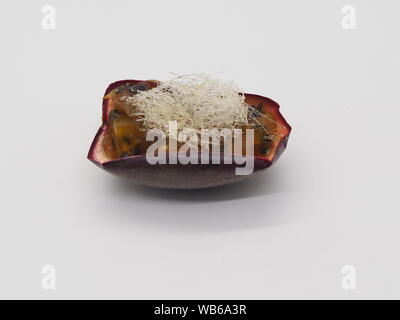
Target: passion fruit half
column 120, row 145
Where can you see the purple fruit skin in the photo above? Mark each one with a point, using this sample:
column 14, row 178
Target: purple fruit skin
column 178, row 176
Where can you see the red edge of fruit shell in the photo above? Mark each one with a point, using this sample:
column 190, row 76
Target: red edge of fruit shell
column 259, row 162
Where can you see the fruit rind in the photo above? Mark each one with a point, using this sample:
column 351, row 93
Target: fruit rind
column 179, row 176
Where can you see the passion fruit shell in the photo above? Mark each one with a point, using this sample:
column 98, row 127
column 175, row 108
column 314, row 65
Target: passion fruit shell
column 179, row 176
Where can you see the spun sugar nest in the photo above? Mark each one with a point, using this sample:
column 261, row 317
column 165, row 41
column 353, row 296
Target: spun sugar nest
column 193, row 101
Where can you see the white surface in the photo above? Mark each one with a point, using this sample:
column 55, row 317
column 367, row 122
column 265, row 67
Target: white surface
column 331, row 200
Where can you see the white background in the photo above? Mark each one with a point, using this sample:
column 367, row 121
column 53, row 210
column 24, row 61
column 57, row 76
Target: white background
column 331, row 200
